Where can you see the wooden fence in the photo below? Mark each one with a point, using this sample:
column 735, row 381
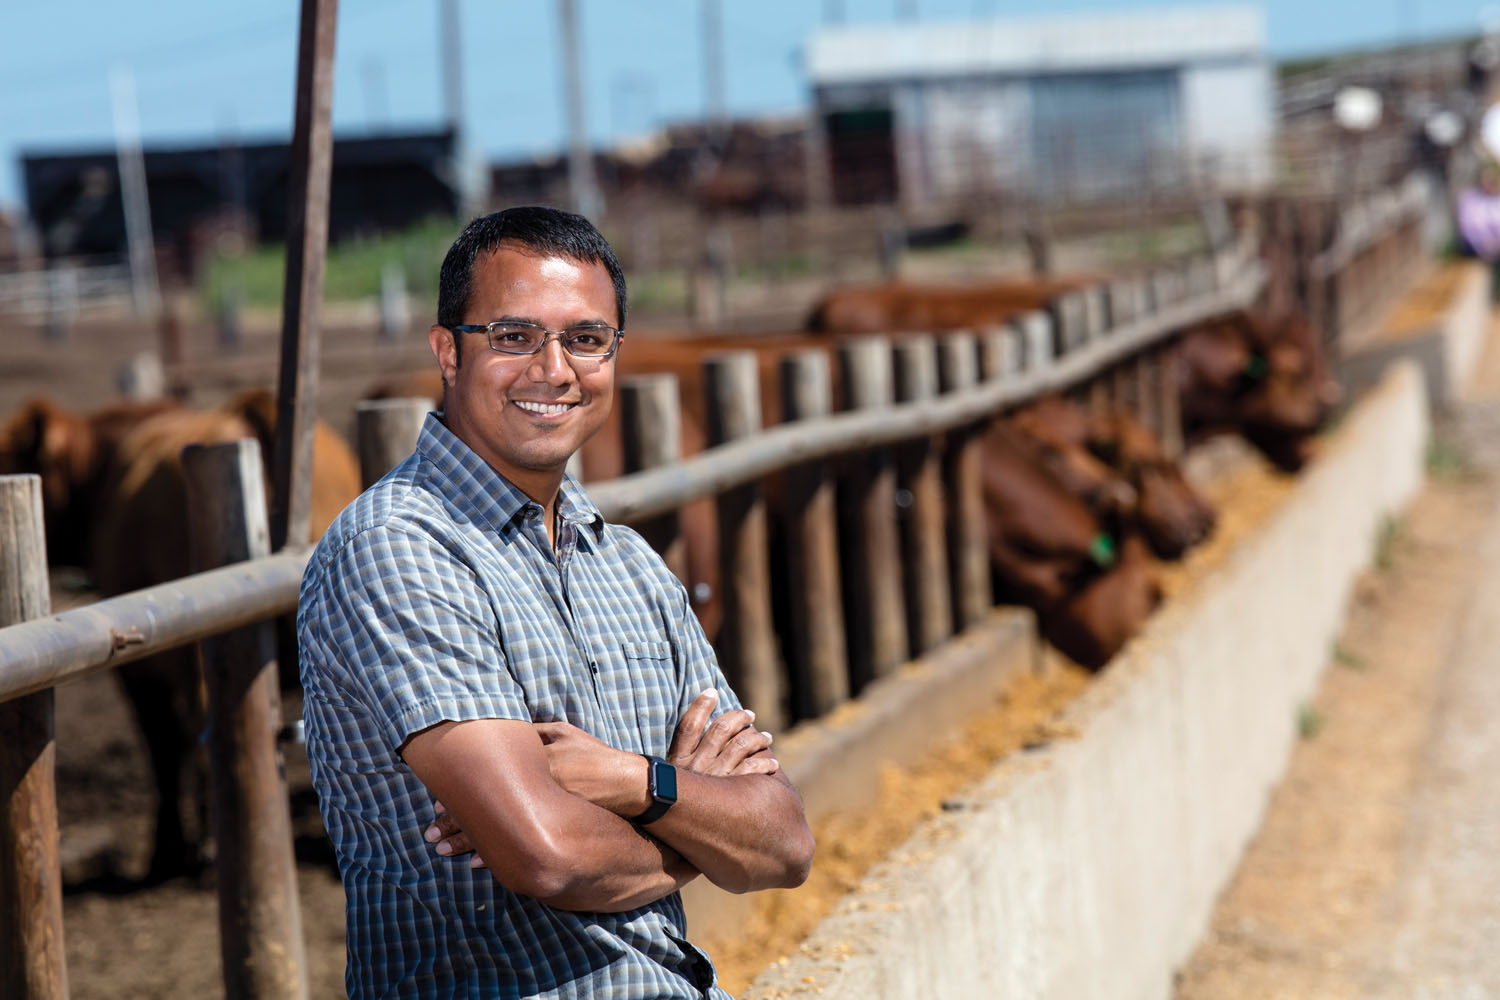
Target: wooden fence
column 905, row 487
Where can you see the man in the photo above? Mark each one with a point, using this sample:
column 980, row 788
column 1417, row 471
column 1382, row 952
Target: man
column 473, row 632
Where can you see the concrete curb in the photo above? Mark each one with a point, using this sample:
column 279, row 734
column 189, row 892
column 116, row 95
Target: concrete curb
column 1446, row 352
column 1087, row 871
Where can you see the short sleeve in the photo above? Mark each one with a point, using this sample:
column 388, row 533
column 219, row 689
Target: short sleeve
column 400, row 623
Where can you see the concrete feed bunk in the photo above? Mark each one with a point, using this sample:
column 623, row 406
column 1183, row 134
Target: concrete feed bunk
column 1089, row 869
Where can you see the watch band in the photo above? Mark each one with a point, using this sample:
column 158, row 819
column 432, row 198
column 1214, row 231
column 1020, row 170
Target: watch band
column 661, row 782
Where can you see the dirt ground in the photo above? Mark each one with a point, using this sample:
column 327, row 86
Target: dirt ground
column 1374, row 874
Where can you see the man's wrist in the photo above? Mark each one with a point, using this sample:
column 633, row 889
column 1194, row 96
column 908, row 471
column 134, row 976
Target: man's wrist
column 661, row 788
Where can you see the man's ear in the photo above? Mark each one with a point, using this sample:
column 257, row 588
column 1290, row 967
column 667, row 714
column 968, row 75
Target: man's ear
column 445, row 350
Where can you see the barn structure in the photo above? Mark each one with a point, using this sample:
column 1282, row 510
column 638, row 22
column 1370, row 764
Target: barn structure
column 198, row 193
column 1055, row 108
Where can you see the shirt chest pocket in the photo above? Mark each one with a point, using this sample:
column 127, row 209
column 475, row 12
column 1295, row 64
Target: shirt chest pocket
column 645, row 674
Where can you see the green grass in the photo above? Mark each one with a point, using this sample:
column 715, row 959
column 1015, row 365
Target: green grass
column 1446, row 461
column 1310, row 721
column 1386, row 537
column 1346, row 657
column 352, row 271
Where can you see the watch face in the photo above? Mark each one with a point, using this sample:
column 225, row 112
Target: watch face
column 663, row 781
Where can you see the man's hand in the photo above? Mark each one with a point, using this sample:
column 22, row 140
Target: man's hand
column 450, row 840
column 729, row 745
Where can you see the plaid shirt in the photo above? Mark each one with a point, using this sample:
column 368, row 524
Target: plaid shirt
column 436, row 596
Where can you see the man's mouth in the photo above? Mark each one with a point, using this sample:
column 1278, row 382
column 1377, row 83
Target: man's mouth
column 543, row 409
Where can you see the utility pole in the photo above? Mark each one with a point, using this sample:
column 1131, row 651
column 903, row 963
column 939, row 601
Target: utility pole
column 581, row 185
column 451, row 59
column 141, row 245
column 714, row 112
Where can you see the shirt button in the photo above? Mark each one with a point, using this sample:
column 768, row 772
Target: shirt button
column 593, row 667
column 532, row 513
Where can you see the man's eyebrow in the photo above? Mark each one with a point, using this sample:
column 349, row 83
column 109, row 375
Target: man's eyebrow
column 571, row 326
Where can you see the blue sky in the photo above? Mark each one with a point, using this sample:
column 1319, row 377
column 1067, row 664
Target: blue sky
column 208, row 70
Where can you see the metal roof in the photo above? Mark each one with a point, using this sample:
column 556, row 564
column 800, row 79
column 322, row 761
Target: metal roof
column 1078, row 42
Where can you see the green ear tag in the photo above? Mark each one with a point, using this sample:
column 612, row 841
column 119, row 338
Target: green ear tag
column 1256, row 367
column 1102, row 550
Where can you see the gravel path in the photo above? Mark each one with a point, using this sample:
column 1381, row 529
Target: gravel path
column 1376, row 874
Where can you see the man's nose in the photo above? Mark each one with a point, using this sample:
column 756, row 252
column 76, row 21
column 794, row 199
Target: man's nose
column 551, row 363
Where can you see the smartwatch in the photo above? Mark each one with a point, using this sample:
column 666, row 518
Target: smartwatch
column 662, row 784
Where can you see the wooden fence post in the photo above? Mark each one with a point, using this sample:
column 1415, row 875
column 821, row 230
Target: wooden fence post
column 387, row 432
column 32, row 962
column 968, row 542
column 920, row 498
column 874, row 605
column 651, row 431
column 747, row 647
column 820, row 658
column 260, row 925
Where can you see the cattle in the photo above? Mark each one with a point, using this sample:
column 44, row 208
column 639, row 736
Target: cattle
column 72, row 454
column 117, row 473
column 1092, row 584
column 1260, row 374
column 1112, row 462
column 896, row 306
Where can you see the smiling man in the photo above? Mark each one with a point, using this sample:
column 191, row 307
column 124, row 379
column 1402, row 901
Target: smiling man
column 473, row 631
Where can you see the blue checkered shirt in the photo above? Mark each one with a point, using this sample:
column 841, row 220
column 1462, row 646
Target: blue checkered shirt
column 436, row 596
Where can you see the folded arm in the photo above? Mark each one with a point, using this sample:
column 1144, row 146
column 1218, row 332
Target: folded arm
column 737, row 819
column 538, row 838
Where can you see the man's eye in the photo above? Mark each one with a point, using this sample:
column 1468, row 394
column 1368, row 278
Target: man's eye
column 512, row 336
column 582, row 338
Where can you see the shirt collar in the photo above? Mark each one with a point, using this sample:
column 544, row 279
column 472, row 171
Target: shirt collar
column 473, row 484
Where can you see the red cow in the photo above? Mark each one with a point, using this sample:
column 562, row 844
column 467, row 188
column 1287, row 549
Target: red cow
column 1261, row 375
column 1115, row 465
column 118, row 473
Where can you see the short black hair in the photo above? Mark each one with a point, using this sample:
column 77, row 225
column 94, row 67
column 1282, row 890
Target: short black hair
column 538, row 229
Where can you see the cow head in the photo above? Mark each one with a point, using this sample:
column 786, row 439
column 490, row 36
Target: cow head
column 1096, row 620
column 1262, row 375
column 44, row 439
column 1043, row 539
column 1171, row 515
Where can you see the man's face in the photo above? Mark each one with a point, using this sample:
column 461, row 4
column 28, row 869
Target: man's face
column 526, row 414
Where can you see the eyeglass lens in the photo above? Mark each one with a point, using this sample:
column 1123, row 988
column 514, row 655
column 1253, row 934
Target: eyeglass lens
column 525, row 338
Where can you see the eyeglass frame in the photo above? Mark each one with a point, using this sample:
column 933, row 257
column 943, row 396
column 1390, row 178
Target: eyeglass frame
column 488, row 328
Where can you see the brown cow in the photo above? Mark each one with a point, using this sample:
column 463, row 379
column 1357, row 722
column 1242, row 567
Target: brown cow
column 1092, row 589
column 72, row 453
column 1112, row 462
column 1259, row 374
column 897, row 306
column 118, row 474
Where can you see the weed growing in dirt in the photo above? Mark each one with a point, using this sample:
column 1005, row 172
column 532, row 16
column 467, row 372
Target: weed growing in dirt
column 1310, row 721
column 1447, row 461
column 1386, row 537
column 1346, row 657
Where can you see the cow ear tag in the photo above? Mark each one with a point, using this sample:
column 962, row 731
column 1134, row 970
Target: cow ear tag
column 1102, row 550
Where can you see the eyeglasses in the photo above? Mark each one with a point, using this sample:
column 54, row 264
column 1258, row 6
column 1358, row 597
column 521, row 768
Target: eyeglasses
column 511, row 337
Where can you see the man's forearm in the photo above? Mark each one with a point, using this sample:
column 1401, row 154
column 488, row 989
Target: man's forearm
column 630, row 869
column 743, row 832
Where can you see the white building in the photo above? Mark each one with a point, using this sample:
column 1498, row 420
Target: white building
column 1057, row 107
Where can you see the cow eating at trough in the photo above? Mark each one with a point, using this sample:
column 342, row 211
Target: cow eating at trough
column 1260, row 374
